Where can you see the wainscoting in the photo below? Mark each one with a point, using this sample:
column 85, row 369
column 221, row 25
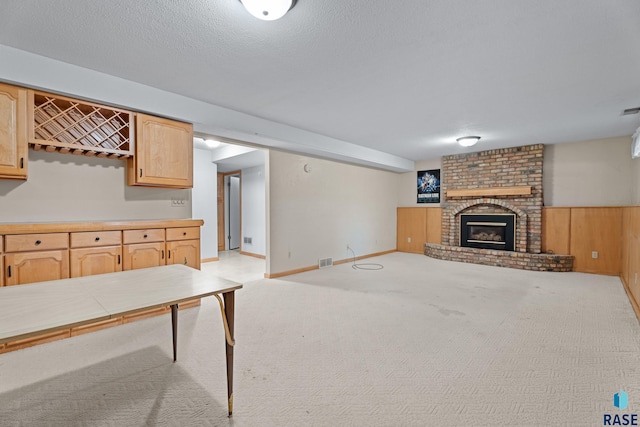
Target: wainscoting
column 613, row 232
column 631, row 254
column 417, row 226
column 580, row 231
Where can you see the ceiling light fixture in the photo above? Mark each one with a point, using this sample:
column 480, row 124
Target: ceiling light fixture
column 268, row 10
column 468, row 141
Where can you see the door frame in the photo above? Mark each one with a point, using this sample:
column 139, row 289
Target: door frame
column 221, row 206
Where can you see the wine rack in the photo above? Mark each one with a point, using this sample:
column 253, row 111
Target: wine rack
column 68, row 125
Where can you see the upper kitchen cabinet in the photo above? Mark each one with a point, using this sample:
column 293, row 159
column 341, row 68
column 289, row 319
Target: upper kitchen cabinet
column 163, row 153
column 13, row 132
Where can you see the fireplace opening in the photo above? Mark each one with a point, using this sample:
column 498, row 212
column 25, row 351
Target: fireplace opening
column 488, row 231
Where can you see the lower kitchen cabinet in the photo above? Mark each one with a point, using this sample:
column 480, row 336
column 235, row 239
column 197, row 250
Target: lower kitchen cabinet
column 143, row 255
column 31, row 267
column 90, row 261
column 185, row 252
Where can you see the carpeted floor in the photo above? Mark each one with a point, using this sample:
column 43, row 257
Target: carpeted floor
column 422, row 342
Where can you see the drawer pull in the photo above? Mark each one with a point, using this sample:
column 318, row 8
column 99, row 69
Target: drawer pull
column 97, row 239
column 9, row 271
column 184, row 233
column 118, row 259
column 38, row 242
column 169, row 254
column 162, row 254
column 145, row 236
column 21, row 162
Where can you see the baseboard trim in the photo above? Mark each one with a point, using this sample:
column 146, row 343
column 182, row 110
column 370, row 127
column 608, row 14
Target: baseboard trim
column 253, row 255
column 632, row 300
column 315, row 267
column 210, row 259
column 346, row 260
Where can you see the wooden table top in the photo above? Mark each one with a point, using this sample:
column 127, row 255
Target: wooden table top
column 42, row 307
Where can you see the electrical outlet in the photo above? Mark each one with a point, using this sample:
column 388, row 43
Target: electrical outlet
column 594, row 254
column 177, row 203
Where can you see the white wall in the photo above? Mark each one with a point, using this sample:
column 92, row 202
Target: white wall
column 204, row 201
column 63, row 187
column 407, row 184
column 315, row 215
column 589, row 173
column 253, row 210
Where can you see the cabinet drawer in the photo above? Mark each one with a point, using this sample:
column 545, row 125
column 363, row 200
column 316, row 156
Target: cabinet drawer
column 183, row 233
column 36, row 242
column 95, row 238
column 143, row 236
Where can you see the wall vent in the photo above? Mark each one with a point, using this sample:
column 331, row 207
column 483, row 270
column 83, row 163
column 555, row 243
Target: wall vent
column 325, row 262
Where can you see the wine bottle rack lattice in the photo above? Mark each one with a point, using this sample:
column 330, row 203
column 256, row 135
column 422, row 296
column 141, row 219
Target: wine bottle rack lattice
column 71, row 126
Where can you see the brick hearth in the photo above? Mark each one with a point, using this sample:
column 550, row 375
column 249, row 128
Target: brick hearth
column 520, row 260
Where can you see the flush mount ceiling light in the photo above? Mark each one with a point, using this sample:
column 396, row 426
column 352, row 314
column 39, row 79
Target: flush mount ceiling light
column 468, row 141
column 268, row 10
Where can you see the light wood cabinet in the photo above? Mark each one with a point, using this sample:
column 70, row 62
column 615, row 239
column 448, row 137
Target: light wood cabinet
column 183, row 247
column 185, row 252
column 95, row 239
column 143, row 236
column 100, row 260
column 38, row 252
column 36, row 242
column 143, row 255
column 163, row 153
column 31, row 267
column 13, row 132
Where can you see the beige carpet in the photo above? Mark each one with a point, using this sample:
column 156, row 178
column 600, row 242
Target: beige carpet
column 421, row 343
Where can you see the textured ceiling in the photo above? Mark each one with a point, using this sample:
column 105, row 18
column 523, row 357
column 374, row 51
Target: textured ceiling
column 404, row 78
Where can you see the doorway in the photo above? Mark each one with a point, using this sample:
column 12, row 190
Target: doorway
column 229, row 211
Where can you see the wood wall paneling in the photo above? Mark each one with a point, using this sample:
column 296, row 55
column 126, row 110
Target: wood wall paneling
column 434, row 225
column 596, row 229
column 411, row 231
column 631, row 253
column 556, row 227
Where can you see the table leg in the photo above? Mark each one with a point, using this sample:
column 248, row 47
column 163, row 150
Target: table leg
column 174, row 325
column 229, row 301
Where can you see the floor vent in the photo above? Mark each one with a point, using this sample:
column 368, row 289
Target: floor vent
column 325, row 262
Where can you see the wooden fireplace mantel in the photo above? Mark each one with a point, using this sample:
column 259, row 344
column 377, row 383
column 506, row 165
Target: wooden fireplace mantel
column 490, row 191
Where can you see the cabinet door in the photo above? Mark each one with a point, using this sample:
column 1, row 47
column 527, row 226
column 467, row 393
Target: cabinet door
column 411, row 229
column 13, row 132
column 164, row 153
column 185, row 252
column 143, row 255
column 31, row 267
column 90, row 261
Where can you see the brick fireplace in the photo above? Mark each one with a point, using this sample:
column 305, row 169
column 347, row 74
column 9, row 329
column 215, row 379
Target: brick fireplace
column 493, row 169
column 495, row 183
